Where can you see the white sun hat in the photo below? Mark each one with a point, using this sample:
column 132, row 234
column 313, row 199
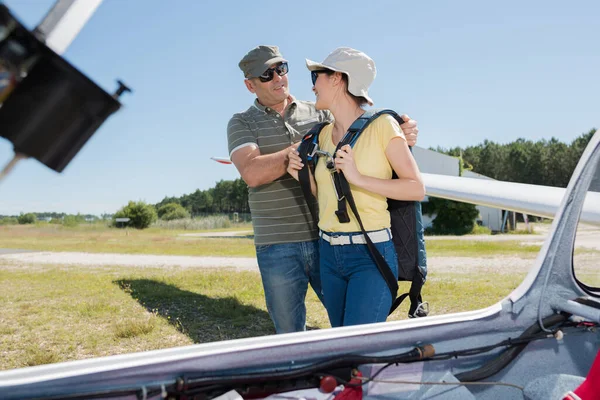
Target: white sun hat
column 358, row 66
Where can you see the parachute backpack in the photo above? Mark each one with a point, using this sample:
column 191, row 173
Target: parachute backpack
column 406, row 219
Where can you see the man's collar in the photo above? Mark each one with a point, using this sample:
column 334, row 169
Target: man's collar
column 291, row 100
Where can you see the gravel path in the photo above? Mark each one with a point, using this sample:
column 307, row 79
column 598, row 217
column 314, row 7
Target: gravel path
column 128, row 260
column 442, row 264
column 219, row 234
column 587, row 237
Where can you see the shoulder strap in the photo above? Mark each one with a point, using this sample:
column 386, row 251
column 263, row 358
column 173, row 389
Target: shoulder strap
column 361, row 123
column 307, row 150
column 354, row 132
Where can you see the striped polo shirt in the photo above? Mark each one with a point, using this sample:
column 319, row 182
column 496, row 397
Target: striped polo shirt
column 279, row 211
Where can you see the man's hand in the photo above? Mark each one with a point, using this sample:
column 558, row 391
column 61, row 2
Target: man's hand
column 293, row 147
column 294, row 161
column 410, row 130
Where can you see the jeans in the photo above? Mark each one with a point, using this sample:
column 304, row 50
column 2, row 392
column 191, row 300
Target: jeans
column 286, row 270
column 354, row 290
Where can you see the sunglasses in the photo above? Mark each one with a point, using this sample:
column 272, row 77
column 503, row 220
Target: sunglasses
column 281, row 70
column 315, row 74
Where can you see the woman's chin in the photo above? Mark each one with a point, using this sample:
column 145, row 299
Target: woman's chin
column 320, row 106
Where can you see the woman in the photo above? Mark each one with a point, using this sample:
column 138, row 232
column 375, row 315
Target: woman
column 354, row 290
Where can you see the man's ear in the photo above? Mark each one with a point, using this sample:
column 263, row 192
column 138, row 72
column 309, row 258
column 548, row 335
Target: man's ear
column 250, row 85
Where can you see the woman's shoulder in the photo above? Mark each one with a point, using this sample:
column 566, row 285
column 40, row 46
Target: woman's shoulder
column 386, row 125
column 385, row 120
column 325, row 133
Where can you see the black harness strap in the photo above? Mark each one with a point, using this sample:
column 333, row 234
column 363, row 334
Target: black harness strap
column 307, row 150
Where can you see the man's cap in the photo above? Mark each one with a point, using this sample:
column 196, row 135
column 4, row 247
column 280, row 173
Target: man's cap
column 259, row 59
column 358, row 66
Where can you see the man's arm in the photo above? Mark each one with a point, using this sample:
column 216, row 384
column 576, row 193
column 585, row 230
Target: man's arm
column 257, row 169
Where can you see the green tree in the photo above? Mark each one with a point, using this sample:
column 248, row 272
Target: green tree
column 28, row 218
column 171, row 211
column 167, row 200
column 240, row 195
column 140, row 214
column 452, row 217
column 577, row 148
column 493, row 161
column 544, row 162
column 198, row 202
column 222, row 195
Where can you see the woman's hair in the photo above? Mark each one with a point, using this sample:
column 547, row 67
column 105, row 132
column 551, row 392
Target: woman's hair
column 359, row 100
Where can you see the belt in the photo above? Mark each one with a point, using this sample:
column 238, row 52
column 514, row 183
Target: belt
column 382, row 235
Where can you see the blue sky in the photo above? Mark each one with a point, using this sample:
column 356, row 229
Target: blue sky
column 466, row 70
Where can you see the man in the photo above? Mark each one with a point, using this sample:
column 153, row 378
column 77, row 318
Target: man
column 259, row 140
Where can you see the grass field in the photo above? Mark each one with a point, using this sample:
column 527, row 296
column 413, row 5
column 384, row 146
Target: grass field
column 100, row 239
column 52, row 314
column 58, row 313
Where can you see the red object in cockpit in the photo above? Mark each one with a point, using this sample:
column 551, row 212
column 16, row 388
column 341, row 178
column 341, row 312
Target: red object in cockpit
column 352, row 392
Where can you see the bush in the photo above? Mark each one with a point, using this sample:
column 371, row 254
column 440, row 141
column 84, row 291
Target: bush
column 140, row 214
column 9, row 221
column 452, row 217
column 198, row 224
column 523, row 231
column 28, row 218
column 72, row 220
column 481, row 230
column 171, row 211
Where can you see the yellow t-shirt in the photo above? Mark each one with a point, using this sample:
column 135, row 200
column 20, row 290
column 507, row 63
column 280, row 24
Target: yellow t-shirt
column 370, row 159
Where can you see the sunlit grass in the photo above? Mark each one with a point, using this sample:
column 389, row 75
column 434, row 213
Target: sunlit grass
column 50, row 314
column 101, row 239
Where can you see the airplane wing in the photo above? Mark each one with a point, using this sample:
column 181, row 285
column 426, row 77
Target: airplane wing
column 538, row 200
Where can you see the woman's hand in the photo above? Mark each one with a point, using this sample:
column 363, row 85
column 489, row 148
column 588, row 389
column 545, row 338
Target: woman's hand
column 294, row 163
column 344, row 161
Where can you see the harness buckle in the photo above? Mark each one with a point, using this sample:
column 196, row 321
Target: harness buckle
column 330, row 164
column 342, row 216
column 312, row 151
